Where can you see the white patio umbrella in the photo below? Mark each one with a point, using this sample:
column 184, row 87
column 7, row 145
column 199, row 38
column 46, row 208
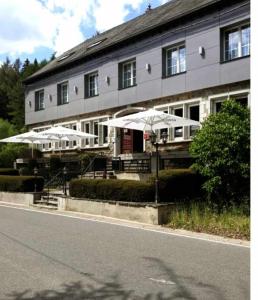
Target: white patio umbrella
column 61, row 133
column 150, row 120
column 30, row 137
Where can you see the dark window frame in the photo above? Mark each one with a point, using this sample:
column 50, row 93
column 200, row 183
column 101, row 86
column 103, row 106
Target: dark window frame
column 237, row 27
column 87, row 90
column 60, row 100
column 165, row 58
column 121, row 74
column 38, row 105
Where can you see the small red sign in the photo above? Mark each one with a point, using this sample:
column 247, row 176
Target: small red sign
column 146, row 136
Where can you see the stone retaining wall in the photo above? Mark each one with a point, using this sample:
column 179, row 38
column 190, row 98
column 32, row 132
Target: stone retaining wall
column 140, row 212
column 19, row 198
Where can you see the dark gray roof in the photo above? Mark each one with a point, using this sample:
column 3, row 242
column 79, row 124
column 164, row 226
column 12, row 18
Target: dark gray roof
column 154, row 18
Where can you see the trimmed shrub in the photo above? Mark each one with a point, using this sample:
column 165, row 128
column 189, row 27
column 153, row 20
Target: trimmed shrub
column 119, row 190
column 8, row 171
column 21, row 183
column 178, row 184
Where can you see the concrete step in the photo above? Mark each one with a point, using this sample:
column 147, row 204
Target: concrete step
column 42, row 206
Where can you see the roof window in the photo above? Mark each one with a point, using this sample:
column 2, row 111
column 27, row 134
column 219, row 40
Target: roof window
column 65, row 56
column 95, row 43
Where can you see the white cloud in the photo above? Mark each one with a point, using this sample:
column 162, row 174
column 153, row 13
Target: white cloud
column 56, row 24
column 109, row 14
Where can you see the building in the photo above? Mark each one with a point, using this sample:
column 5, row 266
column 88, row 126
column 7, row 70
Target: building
column 184, row 58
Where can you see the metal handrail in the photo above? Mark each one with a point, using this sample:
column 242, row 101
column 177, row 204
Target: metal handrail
column 83, row 172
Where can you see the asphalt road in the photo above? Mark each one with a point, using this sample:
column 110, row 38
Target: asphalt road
column 49, row 257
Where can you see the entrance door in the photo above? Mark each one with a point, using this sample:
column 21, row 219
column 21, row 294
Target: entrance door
column 131, row 141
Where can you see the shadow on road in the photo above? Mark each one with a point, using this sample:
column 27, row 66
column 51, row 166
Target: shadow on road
column 181, row 292
column 113, row 288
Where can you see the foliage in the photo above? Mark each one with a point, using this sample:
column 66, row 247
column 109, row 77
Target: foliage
column 9, row 153
column 21, row 183
column 12, row 93
column 221, row 150
column 86, row 159
column 6, row 129
column 8, row 171
column 119, row 190
column 175, row 184
column 233, row 222
column 55, row 164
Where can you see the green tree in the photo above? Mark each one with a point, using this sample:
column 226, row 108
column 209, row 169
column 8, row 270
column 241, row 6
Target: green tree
column 221, row 149
column 6, row 129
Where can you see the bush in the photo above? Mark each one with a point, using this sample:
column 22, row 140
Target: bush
column 178, row 184
column 119, row 190
column 9, row 171
column 21, row 183
column 55, row 164
column 221, row 151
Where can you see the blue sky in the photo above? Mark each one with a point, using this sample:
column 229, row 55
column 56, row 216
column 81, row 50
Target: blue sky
column 37, row 28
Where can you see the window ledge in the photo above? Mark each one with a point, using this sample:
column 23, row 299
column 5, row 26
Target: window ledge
column 62, row 103
column 234, row 59
column 128, row 87
column 89, row 97
column 173, row 75
column 40, row 109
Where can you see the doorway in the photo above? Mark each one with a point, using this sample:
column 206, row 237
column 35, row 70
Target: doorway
column 131, row 141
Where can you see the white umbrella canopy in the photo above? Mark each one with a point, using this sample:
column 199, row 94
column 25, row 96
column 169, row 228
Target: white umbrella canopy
column 30, row 137
column 66, row 134
column 150, row 120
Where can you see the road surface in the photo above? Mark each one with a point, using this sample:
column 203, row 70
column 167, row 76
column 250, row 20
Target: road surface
column 44, row 256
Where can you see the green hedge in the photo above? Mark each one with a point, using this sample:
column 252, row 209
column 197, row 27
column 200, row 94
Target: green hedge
column 8, row 171
column 176, row 184
column 112, row 189
column 21, row 183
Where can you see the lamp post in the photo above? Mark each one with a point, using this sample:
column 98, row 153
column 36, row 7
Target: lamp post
column 35, row 171
column 65, row 173
column 154, row 142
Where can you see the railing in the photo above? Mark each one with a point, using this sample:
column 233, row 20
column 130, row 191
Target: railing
column 88, row 168
column 136, row 166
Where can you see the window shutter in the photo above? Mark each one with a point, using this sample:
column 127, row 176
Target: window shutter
column 100, row 138
column 164, row 64
column 58, row 94
column 91, row 131
column 86, row 86
column 36, row 101
column 120, row 76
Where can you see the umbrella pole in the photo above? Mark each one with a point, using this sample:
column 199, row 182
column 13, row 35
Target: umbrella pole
column 32, row 150
column 157, row 174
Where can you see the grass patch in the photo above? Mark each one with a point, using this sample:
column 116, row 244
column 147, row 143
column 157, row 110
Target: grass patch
column 232, row 223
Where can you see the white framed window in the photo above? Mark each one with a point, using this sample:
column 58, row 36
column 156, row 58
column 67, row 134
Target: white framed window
column 96, row 132
column 91, row 84
column 178, row 131
column 62, row 93
column 93, row 126
column 175, row 60
column 236, row 42
column 39, row 100
column 128, row 74
column 216, row 104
